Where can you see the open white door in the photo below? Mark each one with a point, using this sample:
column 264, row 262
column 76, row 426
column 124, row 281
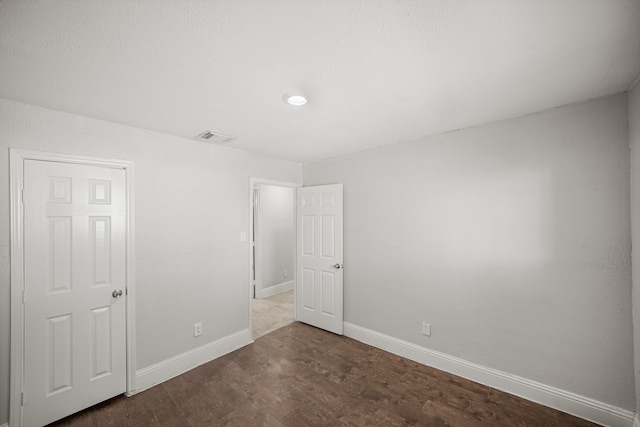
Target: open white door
column 319, row 284
column 74, row 288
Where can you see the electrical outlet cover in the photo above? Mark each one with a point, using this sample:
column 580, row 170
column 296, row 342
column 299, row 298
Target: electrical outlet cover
column 197, row 329
column 426, row 329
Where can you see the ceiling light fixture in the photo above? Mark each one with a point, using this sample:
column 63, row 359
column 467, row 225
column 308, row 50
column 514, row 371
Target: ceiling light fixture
column 294, row 99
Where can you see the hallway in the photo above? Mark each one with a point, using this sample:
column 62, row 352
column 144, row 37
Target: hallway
column 271, row 313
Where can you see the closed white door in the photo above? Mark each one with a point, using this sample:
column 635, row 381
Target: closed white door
column 74, row 314
column 319, row 285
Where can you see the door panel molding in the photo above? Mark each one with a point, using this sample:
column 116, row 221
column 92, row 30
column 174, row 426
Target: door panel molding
column 17, row 158
column 319, row 256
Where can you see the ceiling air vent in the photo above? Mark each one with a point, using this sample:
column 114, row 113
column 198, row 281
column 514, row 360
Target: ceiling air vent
column 217, row 138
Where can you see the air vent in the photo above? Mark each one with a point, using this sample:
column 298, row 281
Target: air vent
column 215, row 138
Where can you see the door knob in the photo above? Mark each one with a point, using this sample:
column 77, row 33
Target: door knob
column 117, row 293
column 338, row 266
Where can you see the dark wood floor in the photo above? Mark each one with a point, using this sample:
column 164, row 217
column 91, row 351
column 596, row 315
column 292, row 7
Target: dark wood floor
column 300, row 375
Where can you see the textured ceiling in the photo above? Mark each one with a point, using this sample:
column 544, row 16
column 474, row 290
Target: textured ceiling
column 376, row 72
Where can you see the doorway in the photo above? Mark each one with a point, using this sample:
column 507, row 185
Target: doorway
column 272, row 255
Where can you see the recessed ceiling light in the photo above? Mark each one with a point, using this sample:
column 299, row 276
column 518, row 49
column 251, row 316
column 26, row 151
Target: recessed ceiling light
column 294, row 99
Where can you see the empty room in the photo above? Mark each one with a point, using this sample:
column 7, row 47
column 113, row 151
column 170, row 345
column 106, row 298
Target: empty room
column 323, row 212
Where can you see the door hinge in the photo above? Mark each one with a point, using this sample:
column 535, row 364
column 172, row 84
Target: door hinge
column 22, row 399
column 22, row 195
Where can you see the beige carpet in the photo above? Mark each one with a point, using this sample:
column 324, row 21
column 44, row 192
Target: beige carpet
column 271, row 313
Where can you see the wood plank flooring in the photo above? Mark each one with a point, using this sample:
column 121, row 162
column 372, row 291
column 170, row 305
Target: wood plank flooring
column 300, row 375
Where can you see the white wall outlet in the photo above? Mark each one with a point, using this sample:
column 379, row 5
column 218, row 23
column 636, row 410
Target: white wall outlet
column 197, row 329
column 285, row 273
column 426, row 329
column 243, row 236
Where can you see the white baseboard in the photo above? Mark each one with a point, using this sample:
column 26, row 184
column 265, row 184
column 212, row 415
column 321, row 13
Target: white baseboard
column 167, row 369
column 276, row 289
column 552, row 397
column 636, row 422
column 4, row 425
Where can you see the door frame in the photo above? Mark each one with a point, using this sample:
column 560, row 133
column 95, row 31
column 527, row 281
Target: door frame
column 16, row 177
column 252, row 183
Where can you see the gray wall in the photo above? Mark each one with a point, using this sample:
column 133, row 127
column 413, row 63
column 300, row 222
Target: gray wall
column 276, row 234
column 511, row 239
column 634, row 136
column 191, row 205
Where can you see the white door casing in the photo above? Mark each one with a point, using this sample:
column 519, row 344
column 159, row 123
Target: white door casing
column 71, row 339
column 257, row 247
column 319, row 253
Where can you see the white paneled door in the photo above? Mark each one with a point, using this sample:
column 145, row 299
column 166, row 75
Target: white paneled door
column 319, row 257
column 74, row 291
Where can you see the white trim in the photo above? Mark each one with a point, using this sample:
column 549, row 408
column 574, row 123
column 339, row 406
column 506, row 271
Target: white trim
column 131, row 280
column 543, row 394
column 4, row 425
column 633, row 85
column 256, row 238
column 16, row 173
column 277, row 289
column 177, row 365
column 636, row 422
column 253, row 181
